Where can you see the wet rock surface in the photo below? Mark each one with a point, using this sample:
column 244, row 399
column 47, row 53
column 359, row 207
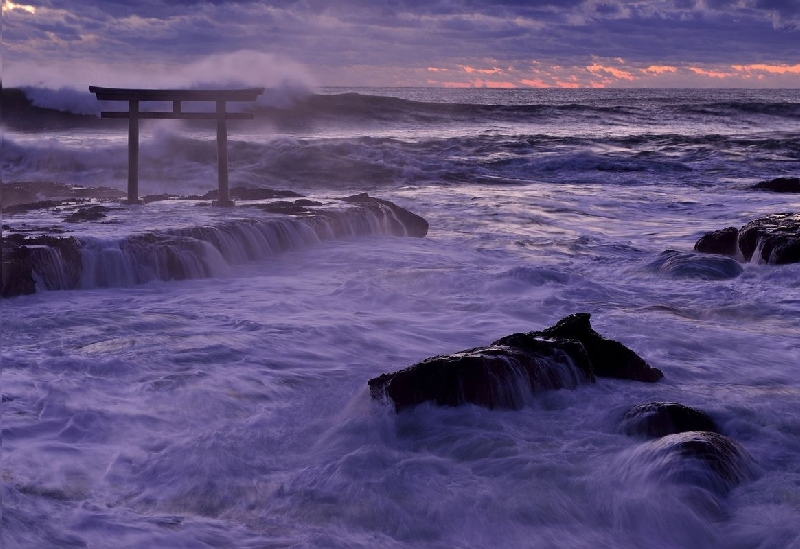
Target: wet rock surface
column 772, row 239
column 503, row 374
column 27, row 260
column 496, row 376
column 609, row 358
column 405, row 224
column 658, row 419
column 89, row 213
column 779, row 185
column 724, row 241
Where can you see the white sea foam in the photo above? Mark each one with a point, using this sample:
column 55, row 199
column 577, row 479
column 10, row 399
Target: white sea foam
column 234, row 410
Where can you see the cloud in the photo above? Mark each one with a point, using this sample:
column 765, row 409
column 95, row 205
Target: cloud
column 393, row 42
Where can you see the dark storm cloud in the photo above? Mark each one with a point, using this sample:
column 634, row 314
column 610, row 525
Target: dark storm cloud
column 332, row 35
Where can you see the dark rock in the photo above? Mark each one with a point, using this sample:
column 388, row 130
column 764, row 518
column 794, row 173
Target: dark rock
column 52, row 261
column 497, row 376
column 89, row 213
column 504, row 373
column 405, row 222
column 609, row 358
column 723, row 241
column 147, row 199
column 27, row 207
column 676, row 264
column 283, row 207
column 245, row 193
column 658, row 419
column 307, row 202
column 779, row 185
column 700, row 458
column 777, row 236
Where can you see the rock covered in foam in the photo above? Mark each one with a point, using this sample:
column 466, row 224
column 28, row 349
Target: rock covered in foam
column 48, row 261
column 505, row 373
column 658, row 419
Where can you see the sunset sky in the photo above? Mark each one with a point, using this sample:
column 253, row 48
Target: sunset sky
column 506, row 43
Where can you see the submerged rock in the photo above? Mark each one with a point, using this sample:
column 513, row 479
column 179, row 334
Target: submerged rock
column 658, row 419
column 676, row 264
column 503, row 374
column 772, row 239
column 779, row 185
column 700, row 458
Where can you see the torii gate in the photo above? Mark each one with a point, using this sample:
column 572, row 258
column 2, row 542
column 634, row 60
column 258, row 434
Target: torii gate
column 134, row 96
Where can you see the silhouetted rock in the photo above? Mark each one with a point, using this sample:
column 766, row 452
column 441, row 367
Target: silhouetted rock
column 776, row 237
column 609, row 358
column 658, row 419
column 405, row 224
column 497, row 376
column 246, row 193
column 700, row 458
column 723, row 241
column 676, row 264
column 779, row 185
column 505, row 373
column 89, row 213
column 773, row 239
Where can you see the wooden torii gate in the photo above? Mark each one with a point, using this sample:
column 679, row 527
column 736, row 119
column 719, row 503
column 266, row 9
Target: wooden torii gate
column 134, row 96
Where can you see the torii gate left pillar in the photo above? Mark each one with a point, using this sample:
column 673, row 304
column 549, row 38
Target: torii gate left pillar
column 134, row 114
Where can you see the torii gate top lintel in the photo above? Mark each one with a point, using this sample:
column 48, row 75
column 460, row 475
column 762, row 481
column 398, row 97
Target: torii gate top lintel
column 134, row 96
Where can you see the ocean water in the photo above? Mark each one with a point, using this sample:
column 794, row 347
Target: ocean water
column 231, row 408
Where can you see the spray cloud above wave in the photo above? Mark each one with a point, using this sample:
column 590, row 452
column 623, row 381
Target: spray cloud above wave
column 66, row 88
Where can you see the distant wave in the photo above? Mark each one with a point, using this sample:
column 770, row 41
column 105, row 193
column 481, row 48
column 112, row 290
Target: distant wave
column 34, row 108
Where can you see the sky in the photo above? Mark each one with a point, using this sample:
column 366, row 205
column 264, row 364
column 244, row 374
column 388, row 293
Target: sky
column 450, row 43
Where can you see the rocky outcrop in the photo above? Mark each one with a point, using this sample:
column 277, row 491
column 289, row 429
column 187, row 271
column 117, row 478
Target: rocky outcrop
column 496, row 376
column 724, row 241
column 773, row 239
column 405, row 222
column 609, row 358
column 505, row 373
column 658, row 419
column 89, row 213
column 53, row 263
column 776, row 238
column 779, row 185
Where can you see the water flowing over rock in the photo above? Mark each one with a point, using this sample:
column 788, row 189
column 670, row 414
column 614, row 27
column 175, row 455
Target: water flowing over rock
column 674, row 264
column 47, row 262
column 658, row 419
column 701, row 458
column 609, row 358
column 773, row 239
column 507, row 372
